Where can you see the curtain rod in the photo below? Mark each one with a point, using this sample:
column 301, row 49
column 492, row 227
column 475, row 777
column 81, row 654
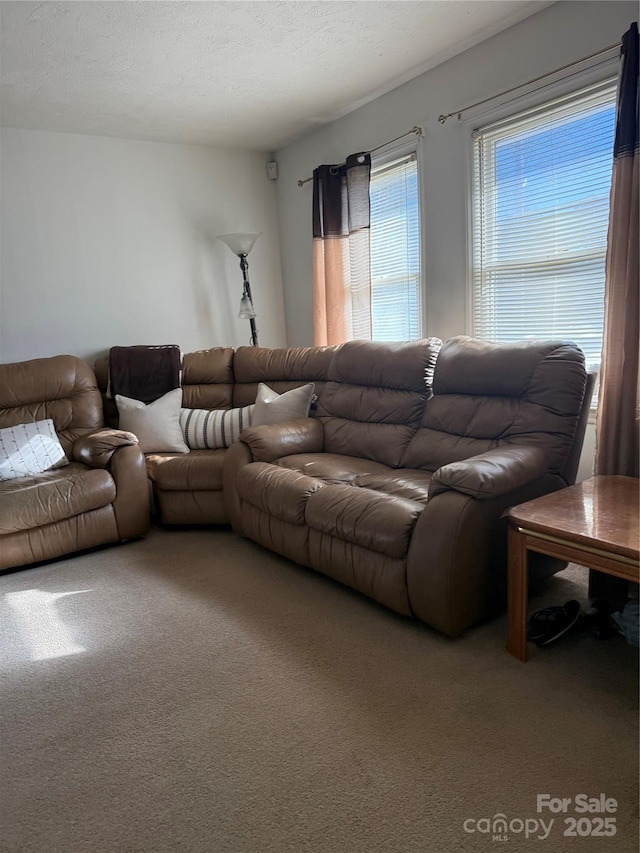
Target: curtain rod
column 443, row 118
column 415, row 131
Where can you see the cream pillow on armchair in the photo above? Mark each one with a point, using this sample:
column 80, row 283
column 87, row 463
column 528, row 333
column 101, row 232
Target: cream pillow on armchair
column 30, row 449
column 157, row 424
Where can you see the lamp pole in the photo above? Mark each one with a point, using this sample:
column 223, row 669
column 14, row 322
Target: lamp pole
column 246, row 291
column 241, row 244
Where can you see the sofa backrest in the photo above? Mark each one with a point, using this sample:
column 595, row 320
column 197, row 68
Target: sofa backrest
column 62, row 388
column 280, row 369
column 487, row 395
column 375, row 397
column 219, row 378
column 207, row 379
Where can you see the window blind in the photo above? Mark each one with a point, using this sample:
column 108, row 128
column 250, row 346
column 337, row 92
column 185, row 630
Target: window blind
column 395, row 251
column 541, row 185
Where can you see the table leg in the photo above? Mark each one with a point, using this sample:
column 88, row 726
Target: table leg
column 517, row 597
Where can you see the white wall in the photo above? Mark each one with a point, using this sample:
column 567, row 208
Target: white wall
column 112, row 242
column 559, row 34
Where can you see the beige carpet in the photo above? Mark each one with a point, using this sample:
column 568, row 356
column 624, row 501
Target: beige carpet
column 210, row 696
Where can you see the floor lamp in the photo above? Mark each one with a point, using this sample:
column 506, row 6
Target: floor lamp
column 241, row 244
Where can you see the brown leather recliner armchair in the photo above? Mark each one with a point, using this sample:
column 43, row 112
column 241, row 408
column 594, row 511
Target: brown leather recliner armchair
column 100, row 497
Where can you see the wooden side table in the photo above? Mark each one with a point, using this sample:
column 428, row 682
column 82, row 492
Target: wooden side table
column 594, row 524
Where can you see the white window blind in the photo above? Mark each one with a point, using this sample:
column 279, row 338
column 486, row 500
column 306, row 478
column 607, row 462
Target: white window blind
column 540, row 219
column 395, row 251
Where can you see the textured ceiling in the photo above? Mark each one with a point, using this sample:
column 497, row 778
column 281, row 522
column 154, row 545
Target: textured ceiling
column 243, row 74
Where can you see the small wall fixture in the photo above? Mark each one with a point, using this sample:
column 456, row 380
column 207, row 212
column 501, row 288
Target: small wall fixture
column 241, row 244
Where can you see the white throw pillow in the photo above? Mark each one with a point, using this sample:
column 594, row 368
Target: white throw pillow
column 30, row 449
column 157, row 425
column 273, row 408
column 203, row 429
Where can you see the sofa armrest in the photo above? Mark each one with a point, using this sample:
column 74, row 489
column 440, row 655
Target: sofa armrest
column 97, row 448
column 131, row 505
column 491, row 474
column 235, row 459
column 457, row 560
column 272, row 441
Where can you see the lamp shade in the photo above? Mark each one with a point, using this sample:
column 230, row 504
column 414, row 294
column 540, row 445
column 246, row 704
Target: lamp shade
column 247, row 311
column 239, row 243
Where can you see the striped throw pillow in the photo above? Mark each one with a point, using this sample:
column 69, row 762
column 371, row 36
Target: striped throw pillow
column 211, row 430
column 30, row 449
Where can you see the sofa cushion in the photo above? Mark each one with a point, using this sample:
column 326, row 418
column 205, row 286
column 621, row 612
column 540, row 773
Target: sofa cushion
column 384, row 443
column 211, row 429
column 382, row 578
column 375, row 397
column 279, row 493
column 30, row 449
column 53, row 496
column 62, row 388
column 207, row 379
column 399, row 483
column 157, row 424
column 350, row 470
column 487, row 395
column 198, row 470
column 364, row 517
column 274, row 408
column 282, row 370
column 332, row 467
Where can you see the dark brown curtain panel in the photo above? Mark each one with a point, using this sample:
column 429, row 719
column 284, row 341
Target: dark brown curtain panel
column 617, row 425
column 341, row 251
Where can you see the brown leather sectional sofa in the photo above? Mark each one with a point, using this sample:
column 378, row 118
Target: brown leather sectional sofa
column 100, row 497
column 396, row 487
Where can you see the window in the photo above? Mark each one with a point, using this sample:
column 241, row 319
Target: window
column 540, row 219
column 395, row 251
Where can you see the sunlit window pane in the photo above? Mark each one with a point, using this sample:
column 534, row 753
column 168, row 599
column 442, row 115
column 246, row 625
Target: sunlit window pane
column 395, row 251
column 541, row 210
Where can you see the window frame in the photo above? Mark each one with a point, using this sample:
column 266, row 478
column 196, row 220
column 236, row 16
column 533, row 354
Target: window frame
column 385, row 158
column 531, row 99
